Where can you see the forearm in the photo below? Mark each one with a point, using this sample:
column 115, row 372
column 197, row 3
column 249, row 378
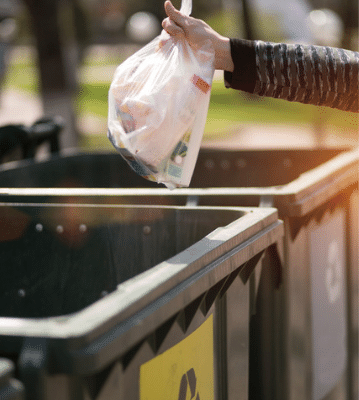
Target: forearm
column 306, row 74
column 223, row 57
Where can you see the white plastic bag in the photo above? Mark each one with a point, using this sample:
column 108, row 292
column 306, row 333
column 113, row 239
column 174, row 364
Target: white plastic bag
column 158, row 104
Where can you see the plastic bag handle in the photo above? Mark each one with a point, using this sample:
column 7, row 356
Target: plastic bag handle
column 186, row 7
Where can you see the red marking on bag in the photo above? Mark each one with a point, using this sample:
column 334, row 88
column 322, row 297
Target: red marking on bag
column 162, row 43
column 201, row 84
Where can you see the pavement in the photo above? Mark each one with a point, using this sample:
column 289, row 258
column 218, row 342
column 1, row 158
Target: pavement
column 19, row 108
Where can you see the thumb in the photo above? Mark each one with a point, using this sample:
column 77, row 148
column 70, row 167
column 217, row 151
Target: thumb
column 173, row 13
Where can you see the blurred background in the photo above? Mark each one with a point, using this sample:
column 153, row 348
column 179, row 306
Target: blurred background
column 58, row 57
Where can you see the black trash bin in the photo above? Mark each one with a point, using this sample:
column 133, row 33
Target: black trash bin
column 130, row 302
column 317, row 197
column 316, row 194
column 45, row 130
column 19, row 142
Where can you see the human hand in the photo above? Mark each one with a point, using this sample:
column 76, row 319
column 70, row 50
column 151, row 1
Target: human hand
column 196, row 32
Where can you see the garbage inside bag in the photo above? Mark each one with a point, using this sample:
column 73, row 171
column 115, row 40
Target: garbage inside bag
column 158, row 104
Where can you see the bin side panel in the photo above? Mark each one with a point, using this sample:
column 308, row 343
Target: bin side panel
column 329, row 296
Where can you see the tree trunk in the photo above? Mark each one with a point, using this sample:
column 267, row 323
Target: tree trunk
column 57, row 83
column 248, row 21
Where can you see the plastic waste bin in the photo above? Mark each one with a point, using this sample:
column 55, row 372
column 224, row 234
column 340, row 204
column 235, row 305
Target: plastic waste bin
column 130, row 302
column 313, row 319
column 10, row 388
column 45, row 130
column 309, row 333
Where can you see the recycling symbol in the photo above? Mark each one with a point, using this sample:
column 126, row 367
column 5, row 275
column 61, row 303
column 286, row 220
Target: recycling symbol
column 188, row 381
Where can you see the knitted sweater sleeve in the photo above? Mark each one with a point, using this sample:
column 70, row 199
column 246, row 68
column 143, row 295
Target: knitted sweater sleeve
column 315, row 75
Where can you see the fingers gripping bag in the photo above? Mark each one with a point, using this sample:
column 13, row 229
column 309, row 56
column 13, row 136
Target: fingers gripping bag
column 158, row 104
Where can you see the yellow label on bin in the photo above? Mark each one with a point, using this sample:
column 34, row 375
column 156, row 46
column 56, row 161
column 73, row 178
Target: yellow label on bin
column 184, row 372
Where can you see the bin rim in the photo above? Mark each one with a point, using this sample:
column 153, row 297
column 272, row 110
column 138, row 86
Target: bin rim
column 258, row 228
